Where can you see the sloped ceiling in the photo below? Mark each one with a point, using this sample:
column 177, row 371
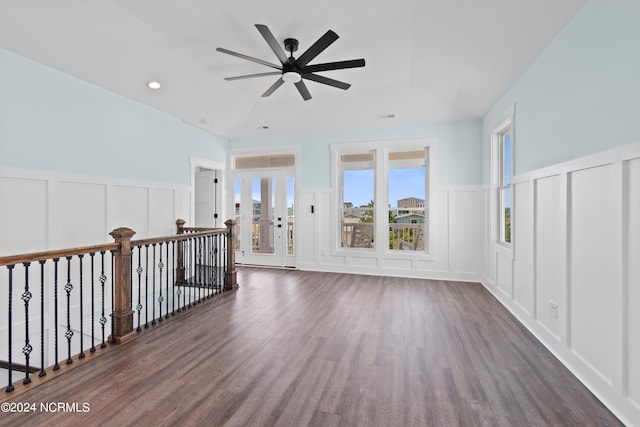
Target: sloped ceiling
column 426, row 60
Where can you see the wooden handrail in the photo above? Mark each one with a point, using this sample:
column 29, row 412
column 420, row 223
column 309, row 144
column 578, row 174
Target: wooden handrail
column 198, row 229
column 151, row 241
column 61, row 253
column 58, row 253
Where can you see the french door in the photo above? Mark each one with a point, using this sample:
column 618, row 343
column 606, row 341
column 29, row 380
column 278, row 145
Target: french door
column 264, row 211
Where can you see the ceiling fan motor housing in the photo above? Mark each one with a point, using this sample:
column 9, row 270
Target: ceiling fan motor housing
column 291, row 45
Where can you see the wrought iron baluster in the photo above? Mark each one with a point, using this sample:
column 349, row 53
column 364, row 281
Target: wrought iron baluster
column 42, row 371
column 103, row 280
column 146, row 287
column 167, row 283
column 81, row 355
column 139, row 271
column 26, row 297
column 216, row 259
column 198, row 262
column 209, row 265
column 56, row 366
column 181, row 275
column 173, row 281
column 93, row 311
column 216, row 262
column 219, row 264
column 153, row 284
column 113, row 289
column 192, row 262
column 10, row 330
column 68, row 288
column 160, row 297
column 212, row 264
column 224, row 258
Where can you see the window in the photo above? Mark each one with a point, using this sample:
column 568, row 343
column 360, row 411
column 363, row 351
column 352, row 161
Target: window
column 383, row 196
column 358, row 200
column 502, row 167
column 406, row 184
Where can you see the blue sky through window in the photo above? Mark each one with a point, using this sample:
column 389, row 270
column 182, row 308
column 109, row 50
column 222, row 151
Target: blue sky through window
column 359, row 185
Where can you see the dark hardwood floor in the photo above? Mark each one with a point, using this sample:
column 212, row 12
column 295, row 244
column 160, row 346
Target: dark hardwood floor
column 297, row 348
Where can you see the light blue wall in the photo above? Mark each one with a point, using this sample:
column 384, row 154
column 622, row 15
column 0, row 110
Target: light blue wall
column 54, row 122
column 458, row 150
column 582, row 94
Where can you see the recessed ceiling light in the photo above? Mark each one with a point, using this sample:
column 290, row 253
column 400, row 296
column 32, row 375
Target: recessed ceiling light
column 154, row 85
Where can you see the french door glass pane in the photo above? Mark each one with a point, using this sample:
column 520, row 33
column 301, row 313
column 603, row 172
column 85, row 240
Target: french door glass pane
column 290, row 216
column 236, row 208
column 262, row 222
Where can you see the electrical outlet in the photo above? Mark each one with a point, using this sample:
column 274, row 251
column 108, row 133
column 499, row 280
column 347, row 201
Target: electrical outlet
column 553, row 309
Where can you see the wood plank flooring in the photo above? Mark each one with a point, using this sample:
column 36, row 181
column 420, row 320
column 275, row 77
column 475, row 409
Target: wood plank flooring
column 294, row 348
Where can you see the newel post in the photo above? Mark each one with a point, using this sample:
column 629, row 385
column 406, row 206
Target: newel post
column 179, row 252
column 122, row 316
column 230, row 279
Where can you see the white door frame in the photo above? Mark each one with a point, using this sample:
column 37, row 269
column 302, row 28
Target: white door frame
column 289, row 171
column 197, row 162
column 274, row 234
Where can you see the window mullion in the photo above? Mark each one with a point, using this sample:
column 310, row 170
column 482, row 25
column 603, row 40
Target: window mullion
column 380, row 173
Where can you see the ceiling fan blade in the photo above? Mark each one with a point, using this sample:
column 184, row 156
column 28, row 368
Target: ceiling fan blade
column 273, row 87
column 248, row 76
column 249, row 58
column 302, row 88
column 328, row 66
column 326, row 81
column 272, row 42
column 321, row 44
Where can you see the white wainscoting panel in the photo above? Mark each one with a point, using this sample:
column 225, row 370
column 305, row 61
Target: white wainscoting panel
column 397, row 264
column 464, row 231
column 129, row 207
column 594, row 269
column 23, row 216
column 50, row 210
column 162, row 212
column 504, row 273
column 523, row 232
column 80, row 209
column 550, row 254
column 306, row 222
column 632, row 308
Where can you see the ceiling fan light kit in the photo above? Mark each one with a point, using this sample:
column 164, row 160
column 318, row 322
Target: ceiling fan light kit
column 291, row 77
column 294, row 70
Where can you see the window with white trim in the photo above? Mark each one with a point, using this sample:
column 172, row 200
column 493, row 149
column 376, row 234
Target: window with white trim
column 502, row 167
column 383, row 197
column 357, row 219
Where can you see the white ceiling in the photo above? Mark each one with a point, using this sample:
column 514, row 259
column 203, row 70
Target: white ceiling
column 426, row 60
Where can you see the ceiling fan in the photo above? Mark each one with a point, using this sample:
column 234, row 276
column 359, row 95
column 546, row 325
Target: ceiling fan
column 295, row 69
